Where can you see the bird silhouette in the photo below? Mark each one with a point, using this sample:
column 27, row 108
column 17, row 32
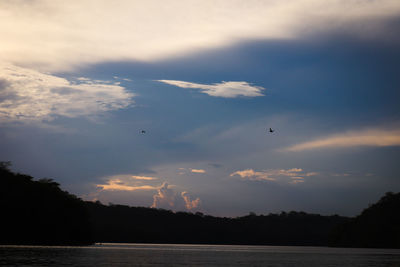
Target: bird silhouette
column 271, row 131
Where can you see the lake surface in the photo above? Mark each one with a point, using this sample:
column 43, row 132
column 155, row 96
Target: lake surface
column 195, row 255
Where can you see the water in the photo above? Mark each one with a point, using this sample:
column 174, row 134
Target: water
column 194, row 255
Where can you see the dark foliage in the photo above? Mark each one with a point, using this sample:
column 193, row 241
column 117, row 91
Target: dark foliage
column 118, row 223
column 377, row 226
column 39, row 212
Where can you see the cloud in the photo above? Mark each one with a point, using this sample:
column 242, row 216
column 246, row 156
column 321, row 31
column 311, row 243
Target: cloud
column 118, row 185
column 253, row 175
column 190, row 204
column 127, row 183
column 64, row 35
column 223, row 89
column 27, row 95
column 144, row 178
column 184, row 170
column 295, row 175
column 167, row 198
column 198, row 171
column 296, row 180
column 370, row 137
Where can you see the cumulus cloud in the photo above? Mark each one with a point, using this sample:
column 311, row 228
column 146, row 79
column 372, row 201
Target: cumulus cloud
column 167, row 198
column 295, row 175
column 370, row 137
column 61, row 35
column 29, row 95
column 127, row 183
column 189, row 203
column 223, row 89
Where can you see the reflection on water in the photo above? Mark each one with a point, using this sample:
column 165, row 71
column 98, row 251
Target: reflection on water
column 194, row 255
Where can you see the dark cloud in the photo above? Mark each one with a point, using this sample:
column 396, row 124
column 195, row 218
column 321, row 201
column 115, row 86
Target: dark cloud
column 3, row 84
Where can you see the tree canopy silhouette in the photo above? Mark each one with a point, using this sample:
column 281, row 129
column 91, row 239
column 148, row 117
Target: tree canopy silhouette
column 377, row 226
column 39, row 212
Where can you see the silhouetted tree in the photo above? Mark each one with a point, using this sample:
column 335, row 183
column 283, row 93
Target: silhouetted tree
column 39, row 212
column 377, row 226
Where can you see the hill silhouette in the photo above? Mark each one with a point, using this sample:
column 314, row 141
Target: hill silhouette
column 39, row 212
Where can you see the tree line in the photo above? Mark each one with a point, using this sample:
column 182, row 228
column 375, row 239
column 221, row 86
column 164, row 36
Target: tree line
column 39, row 212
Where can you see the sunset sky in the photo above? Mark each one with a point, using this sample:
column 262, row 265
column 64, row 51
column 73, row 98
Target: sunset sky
column 205, row 80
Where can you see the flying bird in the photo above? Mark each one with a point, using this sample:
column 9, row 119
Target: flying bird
column 142, row 131
column 271, row 131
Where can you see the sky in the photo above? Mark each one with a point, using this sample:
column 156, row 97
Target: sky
column 168, row 104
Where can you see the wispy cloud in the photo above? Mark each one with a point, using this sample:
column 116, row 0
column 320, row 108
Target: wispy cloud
column 295, row 175
column 143, row 178
column 370, row 137
column 28, row 95
column 73, row 33
column 119, row 185
column 190, row 170
column 250, row 174
column 197, row 171
column 126, row 182
column 223, row 89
